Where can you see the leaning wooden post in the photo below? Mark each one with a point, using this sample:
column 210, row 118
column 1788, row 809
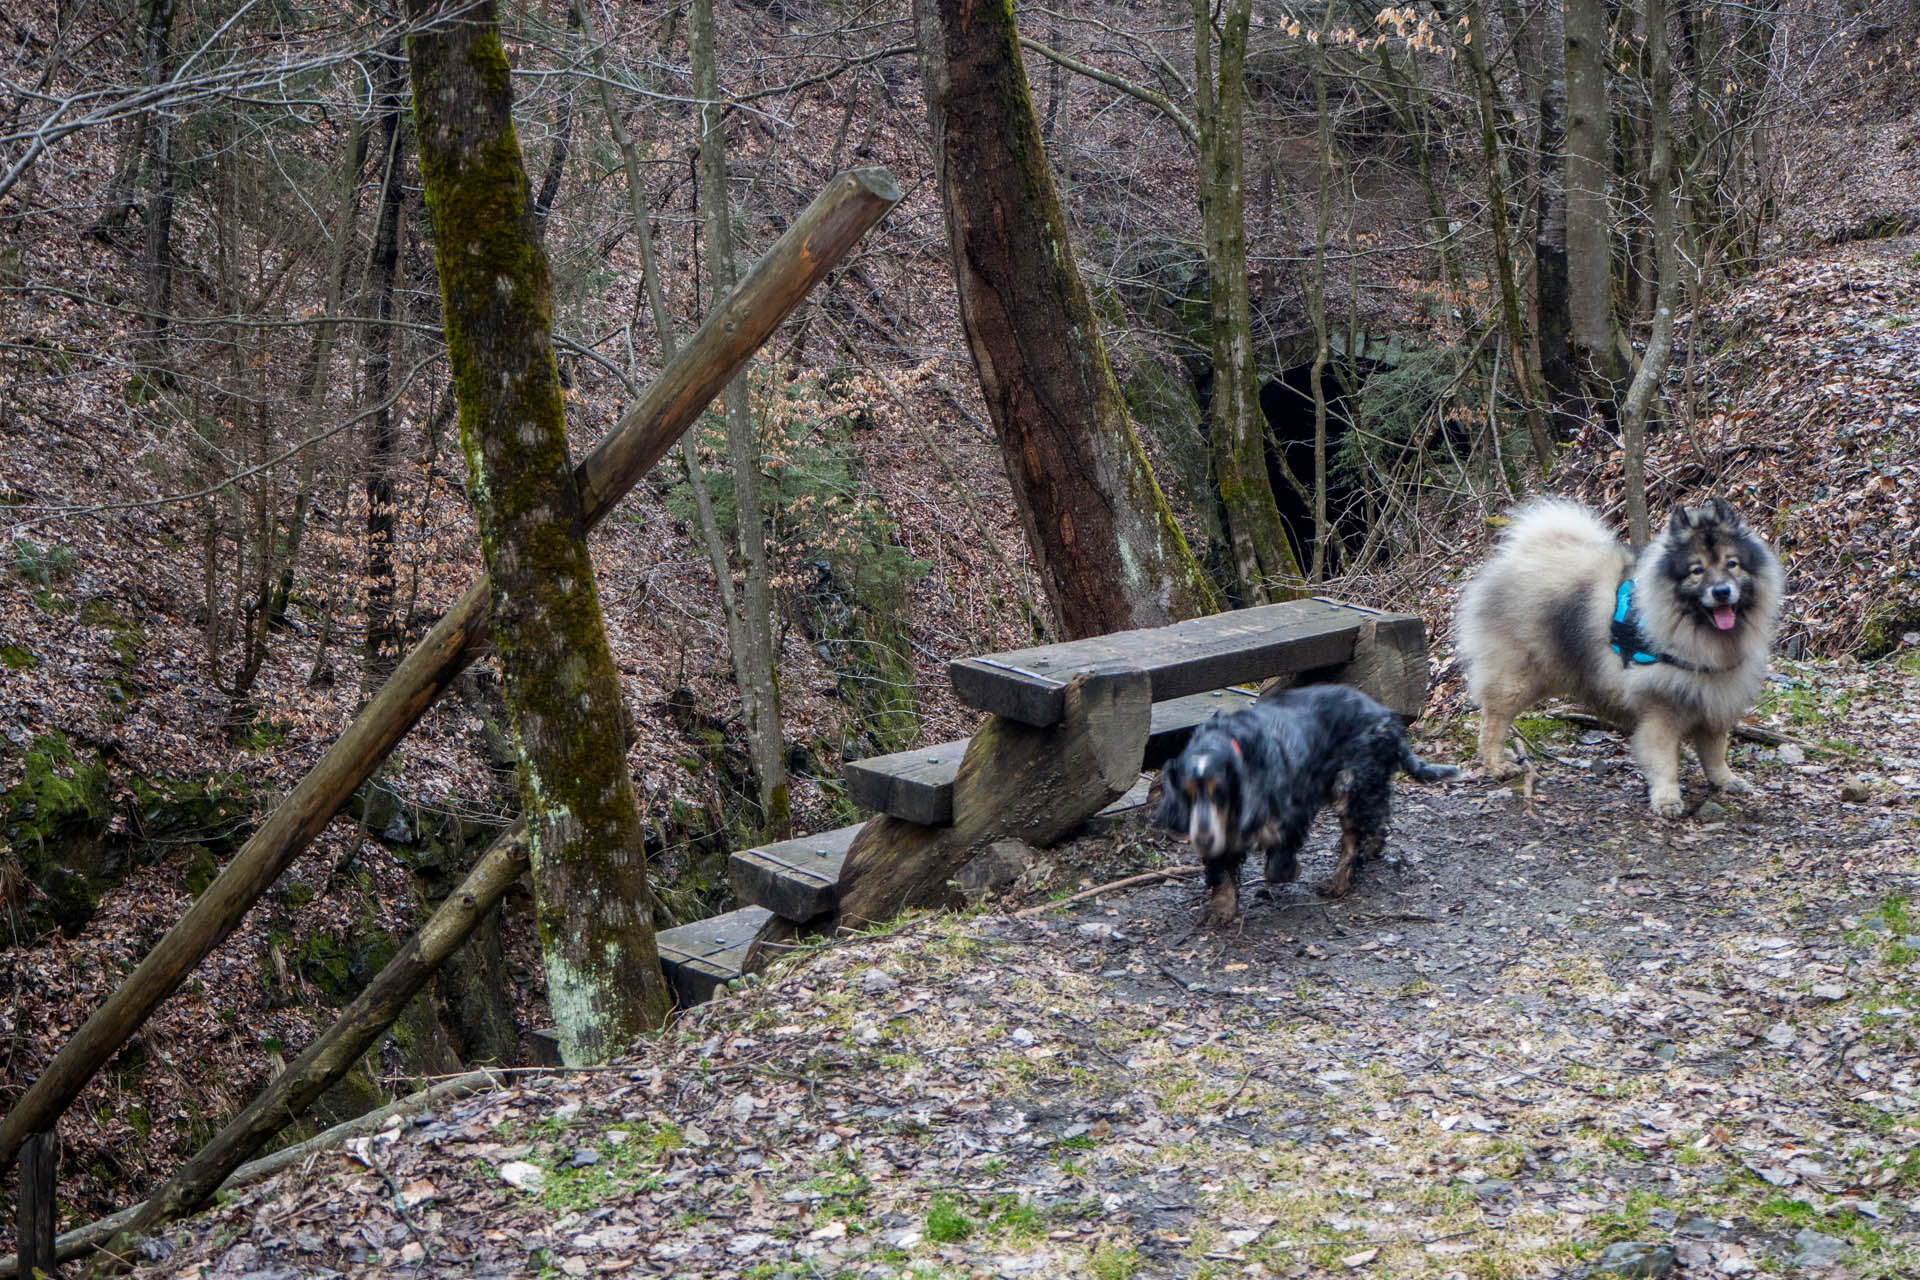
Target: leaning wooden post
column 817, row 240
column 39, row 1177
column 359, row 1026
column 1015, row 780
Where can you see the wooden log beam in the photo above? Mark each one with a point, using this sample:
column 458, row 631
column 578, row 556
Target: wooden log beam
column 71, row 1244
column 34, row 1224
column 357, row 1029
column 1016, row 780
column 818, row 239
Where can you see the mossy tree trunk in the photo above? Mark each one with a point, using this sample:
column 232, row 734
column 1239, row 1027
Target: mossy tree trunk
column 1263, row 556
column 750, row 629
column 1102, row 534
column 563, row 695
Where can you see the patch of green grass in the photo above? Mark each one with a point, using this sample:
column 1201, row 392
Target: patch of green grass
column 1017, row 1218
column 1110, row 1262
column 1630, row 1221
column 841, row 1190
column 623, row 1169
column 945, row 1223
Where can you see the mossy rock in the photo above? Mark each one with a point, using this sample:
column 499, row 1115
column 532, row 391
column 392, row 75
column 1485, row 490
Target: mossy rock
column 18, row 657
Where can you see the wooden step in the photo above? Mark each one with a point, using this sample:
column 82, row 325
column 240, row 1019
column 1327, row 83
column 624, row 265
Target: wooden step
column 918, row 785
column 701, row 957
column 796, row 879
column 1190, row 657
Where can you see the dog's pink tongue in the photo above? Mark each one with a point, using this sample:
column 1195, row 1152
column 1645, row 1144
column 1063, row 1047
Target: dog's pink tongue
column 1723, row 617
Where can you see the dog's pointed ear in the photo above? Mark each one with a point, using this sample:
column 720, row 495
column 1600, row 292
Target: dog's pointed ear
column 1681, row 522
column 1724, row 513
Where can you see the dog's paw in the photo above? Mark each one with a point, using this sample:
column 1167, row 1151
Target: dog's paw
column 1282, row 868
column 1669, row 806
column 1504, row 770
column 1733, row 784
column 1337, row 885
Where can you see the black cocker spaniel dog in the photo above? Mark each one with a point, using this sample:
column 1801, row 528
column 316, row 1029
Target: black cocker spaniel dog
column 1253, row 779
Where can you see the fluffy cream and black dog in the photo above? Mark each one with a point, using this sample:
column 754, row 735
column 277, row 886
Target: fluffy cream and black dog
column 1251, row 780
column 1671, row 644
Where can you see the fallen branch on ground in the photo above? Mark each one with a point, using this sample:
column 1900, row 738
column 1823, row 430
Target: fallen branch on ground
column 1148, row 877
column 82, row 1239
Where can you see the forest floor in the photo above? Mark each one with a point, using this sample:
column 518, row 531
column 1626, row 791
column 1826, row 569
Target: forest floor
column 1558, row 1024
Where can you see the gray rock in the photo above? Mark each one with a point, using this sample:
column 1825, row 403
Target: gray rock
column 1636, row 1260
column 1817, row 1250
column 1711, row 811
column 1705, row 1228
column 584, row 1156
column 1493, row 1189
column 995, row 867
column 875, row 981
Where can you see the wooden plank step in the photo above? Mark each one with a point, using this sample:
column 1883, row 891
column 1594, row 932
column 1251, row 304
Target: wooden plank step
column 703, row 956
column 918, row 785
column 1190, row 657
column 915, row 785
column 796, row 879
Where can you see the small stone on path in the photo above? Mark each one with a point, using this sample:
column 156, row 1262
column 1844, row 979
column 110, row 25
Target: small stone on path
column 1634, row 1260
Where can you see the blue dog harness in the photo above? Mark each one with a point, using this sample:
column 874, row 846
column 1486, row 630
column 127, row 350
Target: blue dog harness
column 1629, row 640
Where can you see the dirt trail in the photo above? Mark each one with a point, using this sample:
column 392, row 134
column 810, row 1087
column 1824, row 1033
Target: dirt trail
column 1558, row 1024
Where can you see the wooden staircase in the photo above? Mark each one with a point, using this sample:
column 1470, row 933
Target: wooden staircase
column 1197, row 669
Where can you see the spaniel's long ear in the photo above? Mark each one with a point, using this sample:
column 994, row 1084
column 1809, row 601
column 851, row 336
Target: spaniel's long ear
column 1174, row 813
column 1255, row 802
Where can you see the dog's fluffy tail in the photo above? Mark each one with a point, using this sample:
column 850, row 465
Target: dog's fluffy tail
column 1424, row 770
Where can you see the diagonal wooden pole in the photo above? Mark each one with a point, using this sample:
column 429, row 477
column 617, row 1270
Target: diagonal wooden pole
column 358, row 1028
column 818, row 239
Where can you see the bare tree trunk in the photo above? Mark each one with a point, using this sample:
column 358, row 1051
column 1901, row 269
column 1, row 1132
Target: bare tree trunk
column 752, row 639
column 592, row 901
column 1487, row 91
column 383, row 629
column 1552, row 319
column 1263, row 556
column 157, row 257
column 317, row 376
column 1101, row 532
column 562, row 142
column 1589, row 162
column 1317, row 293
column 1641, row 397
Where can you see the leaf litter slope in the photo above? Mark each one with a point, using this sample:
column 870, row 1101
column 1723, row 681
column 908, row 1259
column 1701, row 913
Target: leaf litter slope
column 1556, row 1024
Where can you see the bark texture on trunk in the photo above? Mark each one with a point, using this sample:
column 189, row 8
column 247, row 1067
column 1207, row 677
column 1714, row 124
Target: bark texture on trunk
column 751, row 633
column 1263, row 556
column 1638, row 405
column 1100, row 529
column 592, row 902
column 1589, row 244
column 157, row 255
column 383, row 267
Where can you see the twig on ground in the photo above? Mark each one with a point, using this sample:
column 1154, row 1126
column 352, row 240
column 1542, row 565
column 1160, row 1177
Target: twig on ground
column 1148, row 877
